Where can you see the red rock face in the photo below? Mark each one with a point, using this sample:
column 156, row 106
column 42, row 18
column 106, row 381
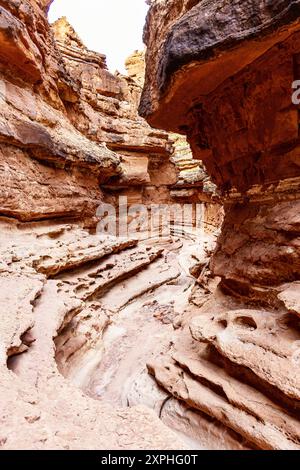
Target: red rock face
column 254, row 139
column 106, row 108
column 222, row 74
column 237, row 112
column 70, row 139
column 66, row 114
column 256, row 162
column 35, row 132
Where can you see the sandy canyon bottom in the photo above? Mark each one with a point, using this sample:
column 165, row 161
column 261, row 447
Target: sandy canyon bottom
column 123, row 344
column 82, row 317
column 146, row 311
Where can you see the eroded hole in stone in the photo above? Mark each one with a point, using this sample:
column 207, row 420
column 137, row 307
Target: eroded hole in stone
column 290, row 324
column 12, row 362
column 223, row 323
column 14, row 355
column 246, row 322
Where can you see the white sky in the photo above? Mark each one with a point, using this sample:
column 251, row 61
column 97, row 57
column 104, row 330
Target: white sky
column 112, row 27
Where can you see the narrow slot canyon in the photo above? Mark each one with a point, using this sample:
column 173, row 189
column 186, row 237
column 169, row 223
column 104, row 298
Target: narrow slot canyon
column 150, row 232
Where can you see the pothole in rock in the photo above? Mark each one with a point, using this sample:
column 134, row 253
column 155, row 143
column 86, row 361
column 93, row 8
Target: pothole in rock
column 14, row 354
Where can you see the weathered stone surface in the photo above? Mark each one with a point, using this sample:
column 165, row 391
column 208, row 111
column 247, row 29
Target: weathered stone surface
column 194, row 39
column 260, row 344
column 79, row 338
column 135, row 67
column 191, row 171
column 81, row 313
column 134, row 171
column 89, row 283
column 29, row 190
column 290, row 296
column 26, row 290
column 259, row 246
column 245, row 129
column 107, row 109
column 55, row 250
column 49, row 169
column 236, row 405
column 39, row 412
column 222, row 74
column 36, row 309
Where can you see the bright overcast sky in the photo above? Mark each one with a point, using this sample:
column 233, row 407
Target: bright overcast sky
column 112, row 27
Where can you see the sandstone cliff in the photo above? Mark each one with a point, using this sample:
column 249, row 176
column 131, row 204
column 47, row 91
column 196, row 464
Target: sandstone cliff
column 154, row 166
column 71, row 139
column 109, row 342
column 222, row 74
column 66, row 126
column 48, row 168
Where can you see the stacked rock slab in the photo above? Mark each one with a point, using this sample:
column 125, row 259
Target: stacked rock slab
column 48, row 168
column 222, row 74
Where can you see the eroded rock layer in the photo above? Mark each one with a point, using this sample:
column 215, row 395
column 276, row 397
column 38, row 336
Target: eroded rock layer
column 60, row 110
column 104, row 107
column 223, row 74
column 71, row 139
column 41, row 300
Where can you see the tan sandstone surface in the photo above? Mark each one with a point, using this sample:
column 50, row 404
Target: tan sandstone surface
column 222, row 74
column 187, row 338
column 71, row 139
column 51, row 170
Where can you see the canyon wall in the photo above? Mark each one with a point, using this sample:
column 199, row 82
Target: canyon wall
column 222, row 74
column 71, row 139
column 225, row 351
column 48, row 168
column 155, row 167
column 68, row 128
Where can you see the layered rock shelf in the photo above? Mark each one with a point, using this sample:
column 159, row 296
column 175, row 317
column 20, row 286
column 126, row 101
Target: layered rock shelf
column 181, row 339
